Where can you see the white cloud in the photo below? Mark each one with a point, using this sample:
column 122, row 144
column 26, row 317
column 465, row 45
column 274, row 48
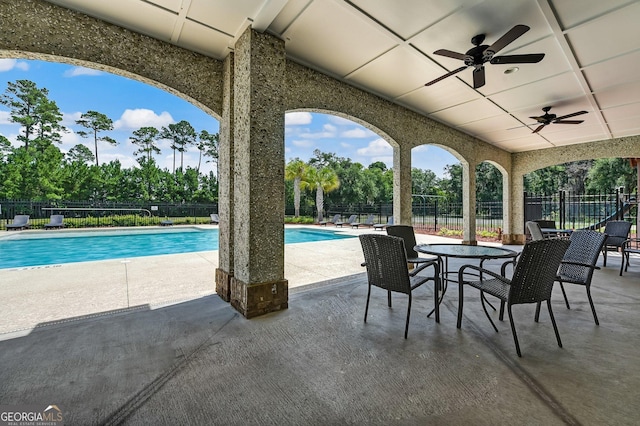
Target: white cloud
column 126, row 160
column 69, row 118
column 378, row 147
column 328, row 131
column 137, row 118
column 76, row 71
column 356, row 132
column 9, row 64
column 302, row 143
column 5, row 117
column 297, row 118
column 70, row 139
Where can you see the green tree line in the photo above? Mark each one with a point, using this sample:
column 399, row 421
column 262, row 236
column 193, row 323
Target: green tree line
column 38, row 170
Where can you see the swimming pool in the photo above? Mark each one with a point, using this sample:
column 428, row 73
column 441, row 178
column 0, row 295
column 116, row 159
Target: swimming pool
column 56, row 247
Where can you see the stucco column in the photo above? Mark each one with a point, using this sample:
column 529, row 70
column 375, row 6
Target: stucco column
column 258, row 285
column 516, row 229
column 507, row 209
column 402, row 185
column 226, row 185
column 469, row 203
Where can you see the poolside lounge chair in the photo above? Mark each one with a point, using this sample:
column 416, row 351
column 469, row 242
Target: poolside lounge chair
column 367, row 222
column 349, row 221
column 381, row 226
column 20, row 221
column 56, row 221
column 214, row 218
column 335, row 219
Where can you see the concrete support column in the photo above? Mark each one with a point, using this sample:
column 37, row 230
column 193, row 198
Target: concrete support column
column 506, row 208
column 516, row 229
column 469, row 204
column 224, row 272
column 402, row 213
column 258, row 285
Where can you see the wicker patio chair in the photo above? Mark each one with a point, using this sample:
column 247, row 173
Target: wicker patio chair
column 407, row 233
column 386, row 262
column 631, row 245
column 617, row 233
column 579, row 263
column 532, row 281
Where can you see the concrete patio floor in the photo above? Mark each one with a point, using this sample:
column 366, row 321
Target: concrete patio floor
column 130, row 356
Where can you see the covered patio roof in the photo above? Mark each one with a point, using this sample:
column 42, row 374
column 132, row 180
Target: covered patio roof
column 387, row 48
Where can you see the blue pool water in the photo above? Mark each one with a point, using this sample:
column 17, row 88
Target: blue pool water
column 56, row 247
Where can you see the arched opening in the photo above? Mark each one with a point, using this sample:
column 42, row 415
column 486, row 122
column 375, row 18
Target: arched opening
column 101, row 180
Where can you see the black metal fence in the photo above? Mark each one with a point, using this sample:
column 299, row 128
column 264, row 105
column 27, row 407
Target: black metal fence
column 580, row 211
column 85, row 214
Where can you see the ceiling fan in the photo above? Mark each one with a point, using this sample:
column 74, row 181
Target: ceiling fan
column 477, row 56
column 547, row 118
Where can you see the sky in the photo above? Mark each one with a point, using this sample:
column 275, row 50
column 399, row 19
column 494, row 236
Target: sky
column 132, row 105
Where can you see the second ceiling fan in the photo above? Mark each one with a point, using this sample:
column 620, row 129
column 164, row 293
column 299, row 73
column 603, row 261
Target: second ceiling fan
column 477, row 56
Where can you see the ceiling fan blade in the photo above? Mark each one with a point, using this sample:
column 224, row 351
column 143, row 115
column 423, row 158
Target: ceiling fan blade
column 450, row 54
column 568, row 121
column 571, row 115
column 509, row 37
column 538, row 129
column 538, row 119
column 478, row 77
column 449, row 74
column 530, row 58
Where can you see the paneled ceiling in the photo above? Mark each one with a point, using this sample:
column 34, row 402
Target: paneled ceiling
column 591, row 47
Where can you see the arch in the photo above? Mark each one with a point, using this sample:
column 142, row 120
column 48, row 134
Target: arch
column 97, row 44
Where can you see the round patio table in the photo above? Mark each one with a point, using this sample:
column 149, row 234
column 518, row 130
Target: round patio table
column 464, row 251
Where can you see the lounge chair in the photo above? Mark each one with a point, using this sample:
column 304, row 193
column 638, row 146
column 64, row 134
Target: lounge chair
column 381, row 226
column 335, row 219
column 214, row 218
column 20, row 221
column 367, row 222
column 349, row 221
column 56, row 221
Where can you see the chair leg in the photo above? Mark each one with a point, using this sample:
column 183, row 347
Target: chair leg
column 593, row 308
column 501, row 315
column 460, row 303
column 566, row 301
column 553, row 321
column 484, row 307
column 537, row 316
column 366, row 309
column 389, row 297
column 513, row 330
column 622, row 262
column 604, row 255
column 406, row 327
column 436, row 307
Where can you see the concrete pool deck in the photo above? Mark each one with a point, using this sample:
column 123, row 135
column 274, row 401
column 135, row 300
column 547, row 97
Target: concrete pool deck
column 199, row 362
column 38, row 296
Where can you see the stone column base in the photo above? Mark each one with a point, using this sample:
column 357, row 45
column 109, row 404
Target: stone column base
column 223, row 284
column 514, row 239
column 252, row 300
column 470, row 243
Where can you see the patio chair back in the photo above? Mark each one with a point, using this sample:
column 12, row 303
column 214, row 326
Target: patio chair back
column 617, row 233
column 386, row 262
column 580, row 259
column 536, row 271
column 407, row 234
column 535, row 231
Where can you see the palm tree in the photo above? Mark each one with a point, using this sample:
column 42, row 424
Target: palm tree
column 323, row 181
column 295, row 171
